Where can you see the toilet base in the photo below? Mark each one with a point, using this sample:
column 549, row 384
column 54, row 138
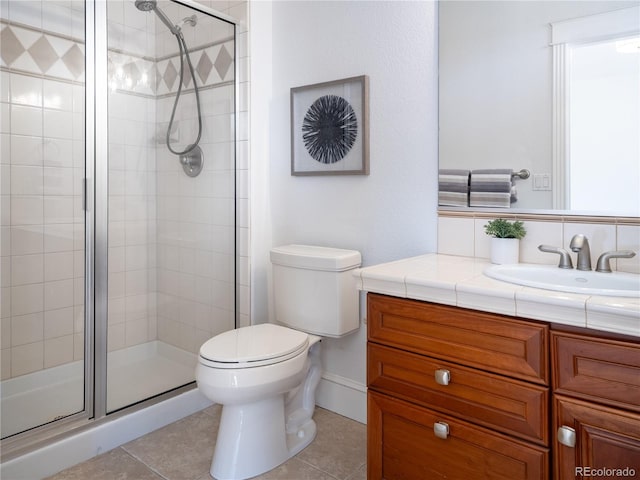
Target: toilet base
column 258, row 434
column 296, row 442
column 252, row 440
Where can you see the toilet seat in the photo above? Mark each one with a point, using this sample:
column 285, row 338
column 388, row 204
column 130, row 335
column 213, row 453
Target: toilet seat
column 254, row 346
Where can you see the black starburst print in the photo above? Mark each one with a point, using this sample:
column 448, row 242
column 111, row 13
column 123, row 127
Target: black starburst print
column 329, row 129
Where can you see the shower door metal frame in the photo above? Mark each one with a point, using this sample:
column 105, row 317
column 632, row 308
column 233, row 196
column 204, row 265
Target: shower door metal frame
column 99, row 322
column 101, row 213
column 95, row 205
column 31, row 439
column 89, row 203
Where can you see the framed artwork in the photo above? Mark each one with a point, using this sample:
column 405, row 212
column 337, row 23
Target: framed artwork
column 330, row 128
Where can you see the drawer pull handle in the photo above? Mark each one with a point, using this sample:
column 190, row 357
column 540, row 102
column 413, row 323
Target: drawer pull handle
column 567, row 436
column 443, row 376
column 441, row 430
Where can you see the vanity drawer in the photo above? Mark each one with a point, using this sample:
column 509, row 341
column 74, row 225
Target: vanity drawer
column 481, row 340
column 601, row 370
column 404, row 445
column 508, row 405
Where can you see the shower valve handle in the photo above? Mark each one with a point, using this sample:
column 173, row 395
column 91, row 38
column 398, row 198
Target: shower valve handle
column 192, row 161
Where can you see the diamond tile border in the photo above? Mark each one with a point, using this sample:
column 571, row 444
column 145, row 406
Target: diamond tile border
column 33, row 51
column 131, row 74
column 213, row 65
column 10, row 46
column 42, row 53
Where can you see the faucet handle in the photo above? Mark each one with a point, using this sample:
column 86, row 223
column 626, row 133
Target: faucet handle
column 604, row 265
column 565, row 258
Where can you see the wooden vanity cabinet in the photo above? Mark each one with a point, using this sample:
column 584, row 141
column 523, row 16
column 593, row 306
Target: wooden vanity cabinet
column 461, row 394
column 596, row 406
column 455, row 393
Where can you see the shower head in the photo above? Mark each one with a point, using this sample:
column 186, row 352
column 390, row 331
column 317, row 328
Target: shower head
column 148, row 5
column 145, row 5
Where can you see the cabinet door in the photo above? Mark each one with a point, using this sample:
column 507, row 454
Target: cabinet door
column 605, row 438
column 403, row 445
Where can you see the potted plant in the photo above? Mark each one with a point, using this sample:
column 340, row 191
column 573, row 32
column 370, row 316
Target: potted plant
column 505, row 241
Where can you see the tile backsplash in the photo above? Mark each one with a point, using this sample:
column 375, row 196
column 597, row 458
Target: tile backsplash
column 462, row 233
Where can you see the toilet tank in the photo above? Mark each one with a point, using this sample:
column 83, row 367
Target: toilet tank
column 314, row 290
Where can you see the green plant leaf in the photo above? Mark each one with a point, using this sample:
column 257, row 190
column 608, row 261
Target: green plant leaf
column 501, row 228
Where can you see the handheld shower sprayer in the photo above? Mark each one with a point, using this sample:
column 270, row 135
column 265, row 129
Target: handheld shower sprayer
column 191, row 157
column 149, row 5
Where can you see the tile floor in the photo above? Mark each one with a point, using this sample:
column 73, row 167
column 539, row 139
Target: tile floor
column 183, row 451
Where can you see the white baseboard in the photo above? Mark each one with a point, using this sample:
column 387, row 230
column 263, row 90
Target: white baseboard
column 104, row 437
column 343, row 396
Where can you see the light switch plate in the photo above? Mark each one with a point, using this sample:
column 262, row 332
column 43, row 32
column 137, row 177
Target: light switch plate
column 541, row 181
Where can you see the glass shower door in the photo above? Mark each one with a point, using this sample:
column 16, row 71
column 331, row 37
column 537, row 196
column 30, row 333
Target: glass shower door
column 42, row 167
column 171, row 221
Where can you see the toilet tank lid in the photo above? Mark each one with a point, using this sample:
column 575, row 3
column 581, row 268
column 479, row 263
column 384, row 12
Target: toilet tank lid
column 316, row 258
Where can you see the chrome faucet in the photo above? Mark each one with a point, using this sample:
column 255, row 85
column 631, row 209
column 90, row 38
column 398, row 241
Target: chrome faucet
column 580, row 245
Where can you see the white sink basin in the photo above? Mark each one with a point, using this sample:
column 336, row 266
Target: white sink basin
column 616, row 284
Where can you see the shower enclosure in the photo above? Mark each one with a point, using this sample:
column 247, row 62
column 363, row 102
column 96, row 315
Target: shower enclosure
column 118, row 203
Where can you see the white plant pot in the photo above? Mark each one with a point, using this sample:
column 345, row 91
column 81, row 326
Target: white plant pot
column 505, row 250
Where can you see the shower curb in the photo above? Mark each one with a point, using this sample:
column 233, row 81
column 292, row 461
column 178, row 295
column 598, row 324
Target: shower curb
column 106, row 436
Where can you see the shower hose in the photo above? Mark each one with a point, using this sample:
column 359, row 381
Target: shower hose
column 184, row 52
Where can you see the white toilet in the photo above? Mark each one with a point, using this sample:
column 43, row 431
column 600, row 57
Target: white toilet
column 265, row 376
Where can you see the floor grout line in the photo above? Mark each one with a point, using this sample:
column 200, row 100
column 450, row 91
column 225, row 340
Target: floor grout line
column 137, row 459
column 316, row 467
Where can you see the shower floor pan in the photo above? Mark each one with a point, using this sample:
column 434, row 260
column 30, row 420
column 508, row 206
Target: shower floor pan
column 134, row 374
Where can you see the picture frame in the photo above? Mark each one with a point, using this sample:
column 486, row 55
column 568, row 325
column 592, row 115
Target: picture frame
column 330, row 128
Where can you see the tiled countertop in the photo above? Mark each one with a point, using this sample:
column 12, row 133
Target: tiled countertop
column 459, row 281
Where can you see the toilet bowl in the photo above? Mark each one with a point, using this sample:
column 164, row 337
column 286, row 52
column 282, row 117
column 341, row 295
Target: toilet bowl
column 267, row 390
column 265, row 376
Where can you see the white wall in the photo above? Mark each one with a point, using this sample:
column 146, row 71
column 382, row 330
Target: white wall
column 496, row 85
column 387, row 215
column 604, row 125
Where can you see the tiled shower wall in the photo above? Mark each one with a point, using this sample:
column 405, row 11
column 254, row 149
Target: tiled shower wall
column 171, row 236
column 195, row 271
column 195, row 216
column 167, row 240
column 132, row 213
column 42, row 166
column 132, row 180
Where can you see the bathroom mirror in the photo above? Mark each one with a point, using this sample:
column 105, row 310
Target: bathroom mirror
column 551, row 87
